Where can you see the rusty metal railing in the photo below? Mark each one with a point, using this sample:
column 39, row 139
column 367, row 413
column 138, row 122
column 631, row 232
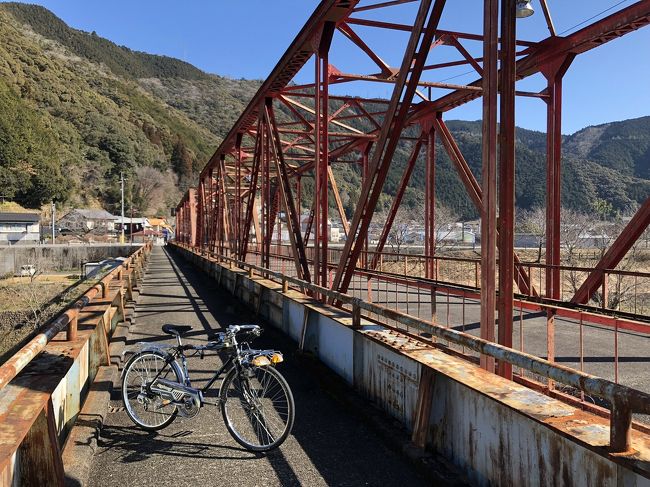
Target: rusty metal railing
column 620, row 290
column 624, row 401
column 67, row 320
column 39, row 407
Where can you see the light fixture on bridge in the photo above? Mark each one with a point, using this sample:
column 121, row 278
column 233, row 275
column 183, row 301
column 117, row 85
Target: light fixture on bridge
column 524, row 9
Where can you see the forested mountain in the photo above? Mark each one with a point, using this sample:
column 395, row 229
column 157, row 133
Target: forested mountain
column 77, row 109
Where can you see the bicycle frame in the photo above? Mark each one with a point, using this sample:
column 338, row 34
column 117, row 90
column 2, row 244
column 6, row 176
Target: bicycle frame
column 173, row 353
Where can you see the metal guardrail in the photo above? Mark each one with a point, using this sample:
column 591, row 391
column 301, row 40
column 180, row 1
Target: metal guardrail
column 624, row 400
column 39, row 408
column 68, row 320
column 466, row 271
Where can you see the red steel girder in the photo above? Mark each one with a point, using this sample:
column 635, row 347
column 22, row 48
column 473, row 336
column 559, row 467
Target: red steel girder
column 616, row 252
column 321, row 160
column 246, row 227
column 616, row 25
column 439, row 32
column 506, row 235
column 347, row 31
column 415, row 56
column 489, row 177
column 397, row 201
column 293, row 218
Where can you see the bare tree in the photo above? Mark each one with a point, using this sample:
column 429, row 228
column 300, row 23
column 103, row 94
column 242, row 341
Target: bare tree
column 534, row 222
column 402, row 226
column 574, row 228
column 444, row 224
column 621, row 288
column 154, row 191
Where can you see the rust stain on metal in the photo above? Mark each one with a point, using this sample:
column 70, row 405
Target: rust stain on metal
column 51, row 368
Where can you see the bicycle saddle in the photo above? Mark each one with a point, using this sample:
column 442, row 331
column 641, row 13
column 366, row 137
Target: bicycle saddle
column 179, row 330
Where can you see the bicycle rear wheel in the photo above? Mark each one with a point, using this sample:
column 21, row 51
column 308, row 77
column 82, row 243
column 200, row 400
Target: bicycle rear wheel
column 147, row 410
column 257, row 407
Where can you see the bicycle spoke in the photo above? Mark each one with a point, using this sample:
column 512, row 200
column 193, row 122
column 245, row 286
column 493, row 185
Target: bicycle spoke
column 258, row 410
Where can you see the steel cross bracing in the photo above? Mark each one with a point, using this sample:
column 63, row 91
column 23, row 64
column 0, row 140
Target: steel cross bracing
column 292, row 134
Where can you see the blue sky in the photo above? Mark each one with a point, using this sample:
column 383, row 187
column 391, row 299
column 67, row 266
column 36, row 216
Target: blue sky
column 244, row 39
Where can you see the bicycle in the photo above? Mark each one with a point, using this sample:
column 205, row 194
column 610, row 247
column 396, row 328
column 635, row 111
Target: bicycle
column 255, row 399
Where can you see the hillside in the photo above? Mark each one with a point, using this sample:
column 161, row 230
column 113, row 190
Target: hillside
column 79, row 109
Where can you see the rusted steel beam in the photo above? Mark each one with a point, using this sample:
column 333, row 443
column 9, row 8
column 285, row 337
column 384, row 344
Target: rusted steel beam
column 266, row 198
column 321, row 161
column 430, row 237
column 616, row 25
column 397, row 201
column 251, row 212
column 337, row 199
column 554, row 73
column 346, row 77
column 301, row 118
column 489, row 177
column 476, row 195
column 290, row 63
column 506, row 235
column 293, row 218
column 347, row 31
column 382, row 5
column 415, row 55
column 616, row 252
column 310, row 221
column 238, row 196
column 548, row 18
column 227, row 214
column 201, row 214
column 20, row 359
column 468, row 57
column 439, row 32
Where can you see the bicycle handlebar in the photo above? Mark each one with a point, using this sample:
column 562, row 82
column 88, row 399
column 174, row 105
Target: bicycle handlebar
column 230, row 332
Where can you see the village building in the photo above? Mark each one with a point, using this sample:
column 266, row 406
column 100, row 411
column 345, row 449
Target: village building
column 19, row 228
column 81, row 221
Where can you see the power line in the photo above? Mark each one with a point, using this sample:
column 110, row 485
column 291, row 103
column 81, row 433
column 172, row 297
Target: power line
column 457, row 76
column 563, row 32
column 593, row 17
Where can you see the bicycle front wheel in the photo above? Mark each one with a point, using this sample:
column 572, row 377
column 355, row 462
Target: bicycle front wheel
column 257, row 407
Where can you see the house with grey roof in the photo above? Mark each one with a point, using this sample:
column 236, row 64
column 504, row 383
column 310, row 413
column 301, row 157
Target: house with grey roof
column 82, row 221
column 19, row 228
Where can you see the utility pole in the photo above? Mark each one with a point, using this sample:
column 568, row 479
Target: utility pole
column 53, row 222
column 122, row 191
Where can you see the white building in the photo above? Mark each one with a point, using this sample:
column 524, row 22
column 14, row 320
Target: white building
column 19, row 228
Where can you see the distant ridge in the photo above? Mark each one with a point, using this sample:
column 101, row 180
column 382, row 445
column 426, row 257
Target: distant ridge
column 78, row 109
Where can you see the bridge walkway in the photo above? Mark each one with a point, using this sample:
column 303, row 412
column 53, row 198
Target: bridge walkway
column 329, row 445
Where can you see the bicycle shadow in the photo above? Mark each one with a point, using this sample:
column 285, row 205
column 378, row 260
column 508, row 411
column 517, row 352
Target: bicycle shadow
column 136, row 445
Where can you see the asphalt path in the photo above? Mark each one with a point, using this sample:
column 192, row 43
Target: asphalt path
column 329, row 444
